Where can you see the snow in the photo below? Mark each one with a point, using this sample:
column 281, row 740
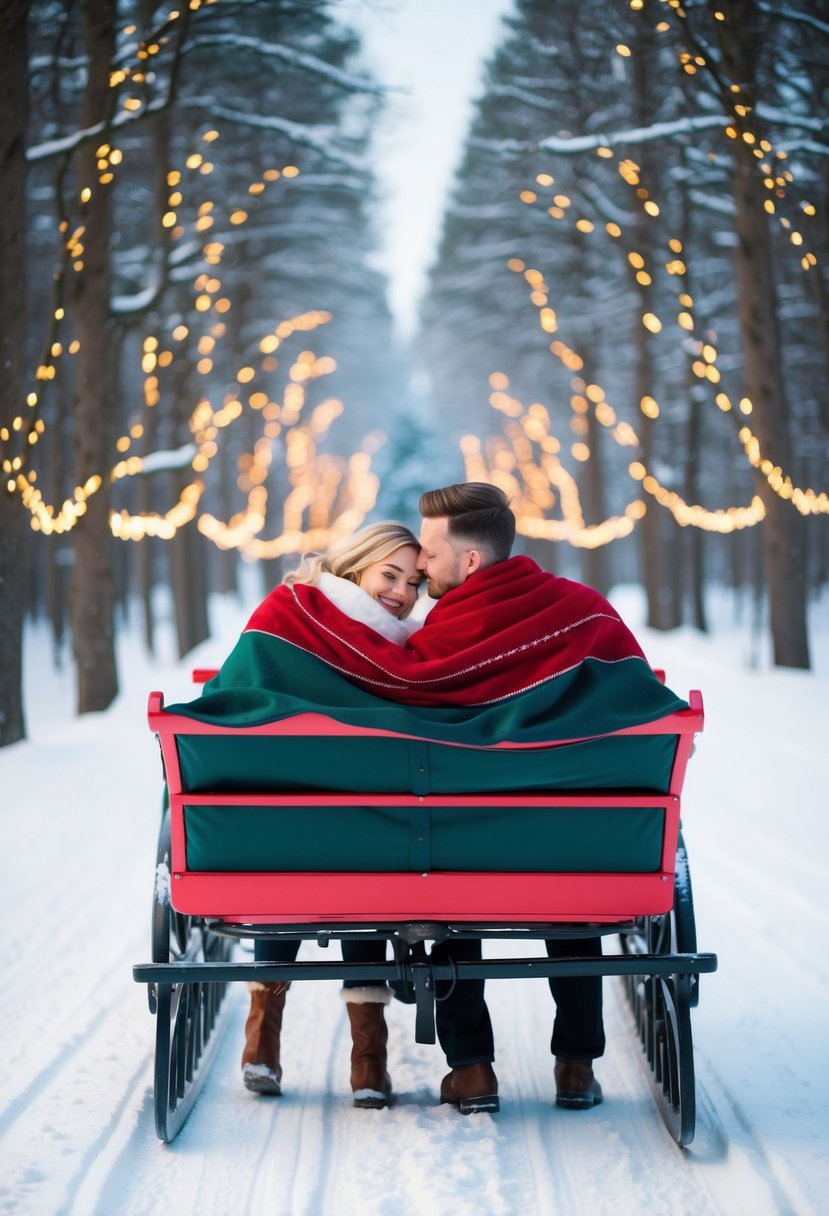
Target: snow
column 79, row 819
column 430, row 55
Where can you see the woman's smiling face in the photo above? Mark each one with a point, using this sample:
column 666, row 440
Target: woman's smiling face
column 394, row 581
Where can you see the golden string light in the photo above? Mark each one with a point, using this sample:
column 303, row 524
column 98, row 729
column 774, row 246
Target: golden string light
column 131, row 69
column 534, row 485
column 328, row 495
column 530, row 503
column 305, row 466
column 806, row 501
column 722, row 520
column 48, row 518
column 324, row 475
column 45, row 518
column 776, row 179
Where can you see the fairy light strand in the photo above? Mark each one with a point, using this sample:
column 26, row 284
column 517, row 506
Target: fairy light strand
column 806, row 501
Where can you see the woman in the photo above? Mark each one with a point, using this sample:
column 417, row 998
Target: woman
column 371, row 577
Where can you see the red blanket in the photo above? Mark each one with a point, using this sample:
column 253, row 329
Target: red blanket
column 507, row 629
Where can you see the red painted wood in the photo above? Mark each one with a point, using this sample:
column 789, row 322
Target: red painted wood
column 505, row 898
column 350, row 897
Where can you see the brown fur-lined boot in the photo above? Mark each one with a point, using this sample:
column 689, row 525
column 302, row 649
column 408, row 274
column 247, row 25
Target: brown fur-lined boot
column 370, row 1082
column 261, row 1070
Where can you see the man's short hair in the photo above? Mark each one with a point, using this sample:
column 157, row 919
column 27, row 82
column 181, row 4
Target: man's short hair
column 479, row 514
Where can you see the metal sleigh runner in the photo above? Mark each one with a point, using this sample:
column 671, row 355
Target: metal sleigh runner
column 517, row 842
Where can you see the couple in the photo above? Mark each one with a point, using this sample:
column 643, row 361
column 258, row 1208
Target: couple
column 464, row 555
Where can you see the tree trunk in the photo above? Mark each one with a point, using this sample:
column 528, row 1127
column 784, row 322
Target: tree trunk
column 144, row 556
column 594, row 564
column 189, row 580
column 186, row 552
column 13, row 116
column 227, row 560
column 694, row 538
column 663, row 611
column 741, row 38
column 93, row 585
column 60, row 549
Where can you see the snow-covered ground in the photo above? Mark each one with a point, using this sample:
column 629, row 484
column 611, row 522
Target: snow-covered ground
column 79, row 814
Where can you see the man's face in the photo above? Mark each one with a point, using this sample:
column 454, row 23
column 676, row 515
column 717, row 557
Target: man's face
column 445, row 562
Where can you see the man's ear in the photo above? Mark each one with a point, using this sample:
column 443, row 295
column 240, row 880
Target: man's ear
column 474, row 561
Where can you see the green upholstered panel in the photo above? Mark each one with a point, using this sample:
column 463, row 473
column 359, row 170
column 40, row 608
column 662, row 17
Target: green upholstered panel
column 574, row 839
column 628, row 762
column 341, row 839
column 257, row 838
column 237, row 762
column 337, row 839
column 220, row 763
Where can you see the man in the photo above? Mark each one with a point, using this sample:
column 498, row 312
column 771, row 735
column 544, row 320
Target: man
column 466, row 529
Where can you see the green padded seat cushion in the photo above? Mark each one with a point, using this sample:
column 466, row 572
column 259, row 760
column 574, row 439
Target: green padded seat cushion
column 253, row 839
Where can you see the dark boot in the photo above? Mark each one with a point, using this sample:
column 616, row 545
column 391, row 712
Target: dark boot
column 576, row 1087
column 472, row 1089
column 370, row 1082
column 261, row 1070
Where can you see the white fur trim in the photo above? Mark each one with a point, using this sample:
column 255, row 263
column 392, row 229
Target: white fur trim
column 259, row 1070
column 371, row 994
column 258, row 986
column 360, row 606
column 422, row 607
column 369, row 1093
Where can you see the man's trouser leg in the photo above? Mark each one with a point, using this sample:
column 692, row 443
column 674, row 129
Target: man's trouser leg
column 462, row 1018
column 578, row 1030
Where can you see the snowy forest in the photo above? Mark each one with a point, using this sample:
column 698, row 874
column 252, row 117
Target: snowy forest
column 626, row 323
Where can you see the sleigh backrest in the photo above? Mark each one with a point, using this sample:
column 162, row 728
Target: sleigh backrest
column 309, row 796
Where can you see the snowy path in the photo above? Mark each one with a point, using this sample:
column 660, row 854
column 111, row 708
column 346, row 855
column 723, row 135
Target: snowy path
column 79, row 817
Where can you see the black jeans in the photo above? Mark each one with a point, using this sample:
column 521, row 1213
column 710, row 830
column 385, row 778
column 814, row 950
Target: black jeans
column 461, row 1016
column 285, row 950
column 578, row 1030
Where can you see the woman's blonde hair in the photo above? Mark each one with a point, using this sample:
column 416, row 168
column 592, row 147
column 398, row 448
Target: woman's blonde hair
column 348, row 558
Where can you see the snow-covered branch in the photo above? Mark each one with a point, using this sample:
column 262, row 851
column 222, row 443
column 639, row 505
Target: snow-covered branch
column 634, row 135
column 719, row 204
column 786, row 118
column 603, row 205
column 526, row 98
column 288, row 55
column 321, row 139
column 572, row 145
column 482, row 211
column 162, row 462
column 125, row 306
column 790, row 14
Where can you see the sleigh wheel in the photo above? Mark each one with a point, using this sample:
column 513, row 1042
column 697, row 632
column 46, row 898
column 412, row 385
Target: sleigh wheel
column 661, row 1007
column 188, row 1023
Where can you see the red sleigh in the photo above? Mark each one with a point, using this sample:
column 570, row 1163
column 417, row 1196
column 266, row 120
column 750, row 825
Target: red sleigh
column 309, row 828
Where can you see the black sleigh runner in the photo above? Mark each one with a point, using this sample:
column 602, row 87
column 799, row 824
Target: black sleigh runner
column 329, row 797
